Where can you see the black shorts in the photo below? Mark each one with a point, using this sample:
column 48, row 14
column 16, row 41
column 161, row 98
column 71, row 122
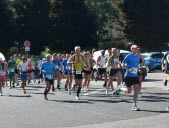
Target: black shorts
column 102, row 71
column 50, row 81
column 70, row 72
column 140, row 74
column 78, row 76
column 16, row 71
column 30, row 71
column 129, row 81
column 87, row 72
column 113, row 72
column 66, row 73
column 41, row 75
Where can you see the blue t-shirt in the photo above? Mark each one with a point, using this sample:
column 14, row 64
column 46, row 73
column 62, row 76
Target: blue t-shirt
column 49, row 69
column 65, row 67
column 132, row 61
column 165, row 58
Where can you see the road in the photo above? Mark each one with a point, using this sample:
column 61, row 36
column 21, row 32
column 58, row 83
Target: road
column 94, row 110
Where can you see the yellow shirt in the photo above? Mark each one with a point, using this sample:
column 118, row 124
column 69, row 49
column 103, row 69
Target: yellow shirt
column 78, row 66
column 18, row 61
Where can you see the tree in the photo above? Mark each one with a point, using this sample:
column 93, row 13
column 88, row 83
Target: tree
column 6, row 25
column 73, row 25
column 33, row 23
column 104, row 12
column 145, row 22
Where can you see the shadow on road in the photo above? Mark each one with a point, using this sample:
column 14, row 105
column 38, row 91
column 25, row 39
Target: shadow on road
column 35, row 86
column 152, row 80
column 69, row 101
column 153, row 111
column 21, row 96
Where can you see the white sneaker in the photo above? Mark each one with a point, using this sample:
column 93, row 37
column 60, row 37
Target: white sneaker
column 167, row 108
column 77, row 98
column 84, row 90
column 107, row 92
column 1, row 94
column 135, row 108
column 69, row 92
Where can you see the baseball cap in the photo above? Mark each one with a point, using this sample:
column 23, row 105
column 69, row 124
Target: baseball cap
column 134, row 46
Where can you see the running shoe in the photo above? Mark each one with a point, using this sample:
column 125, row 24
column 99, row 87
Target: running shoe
column 38, row 82
column 58, row 87
column 165, row 82
column 139, row 95
column 77, row 98
column 107, row 92
column 105, row 85
column 53, row 89
column 13, row 86
column 69, row 92
column 135, row 108
column 118, row 90
column 1, row 94
column 87, row 89
column 45, row 98
column 167, row 108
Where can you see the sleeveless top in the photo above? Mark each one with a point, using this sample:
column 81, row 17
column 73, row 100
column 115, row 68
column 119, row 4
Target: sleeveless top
column 102, row 62
column 78, row 66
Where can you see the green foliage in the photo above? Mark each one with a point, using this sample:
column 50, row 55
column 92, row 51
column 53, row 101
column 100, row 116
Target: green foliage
column 13, row 50
column 144, row 22
column 6, row 23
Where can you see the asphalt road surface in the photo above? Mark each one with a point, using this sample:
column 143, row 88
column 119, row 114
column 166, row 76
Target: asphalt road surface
column 94, row 110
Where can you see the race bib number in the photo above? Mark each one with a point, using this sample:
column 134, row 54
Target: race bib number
column 135, row 70
column 49, row 76
column 78, row 72
column 12, row 70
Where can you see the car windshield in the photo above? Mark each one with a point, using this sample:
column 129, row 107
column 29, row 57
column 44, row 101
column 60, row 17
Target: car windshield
column 158, row 55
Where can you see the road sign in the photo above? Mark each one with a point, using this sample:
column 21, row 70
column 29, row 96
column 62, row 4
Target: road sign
column 27, row 43
column 27, row 49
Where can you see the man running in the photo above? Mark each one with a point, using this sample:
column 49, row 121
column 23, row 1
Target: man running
column 23, row 67
column 48, row 68
column 131, row 64
column 102, row 68
column 77, row 60
column 12, row 66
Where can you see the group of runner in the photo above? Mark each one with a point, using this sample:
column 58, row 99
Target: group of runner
column 76, row 66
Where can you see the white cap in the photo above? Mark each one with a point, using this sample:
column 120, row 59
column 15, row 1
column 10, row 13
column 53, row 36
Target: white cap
column 43, row 59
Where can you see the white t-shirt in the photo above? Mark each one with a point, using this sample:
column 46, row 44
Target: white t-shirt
column 39, row 63
column 24, row 66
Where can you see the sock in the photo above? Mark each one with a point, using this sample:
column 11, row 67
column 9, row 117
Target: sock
column 78, row 91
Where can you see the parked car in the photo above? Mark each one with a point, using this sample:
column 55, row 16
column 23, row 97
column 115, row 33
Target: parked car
column 152, row 60
column 123, row 54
